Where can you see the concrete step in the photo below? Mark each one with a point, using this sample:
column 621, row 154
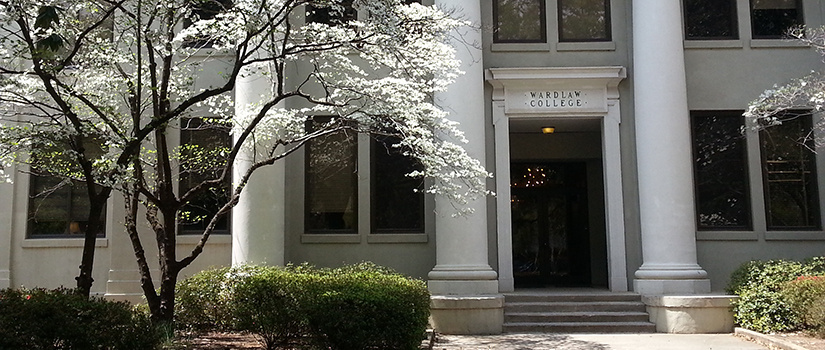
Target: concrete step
column 561, row 317
column 599, row 306
column 580, row 327
column 569, row 297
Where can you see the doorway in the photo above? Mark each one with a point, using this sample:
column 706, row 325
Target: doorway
column 550, row 224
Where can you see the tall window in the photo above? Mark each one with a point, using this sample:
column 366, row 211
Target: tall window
column 58, row 208
column 710, row 20
column 204, row 146
column 789, row 175
column 720, row 167
column 331, row 182
column 519, row 21
column 584, row 20
column 340, row 13
column 771, row 19
column 397, row 200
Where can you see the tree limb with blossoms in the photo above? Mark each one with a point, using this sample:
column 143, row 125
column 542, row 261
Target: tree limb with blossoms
column 97, row 92
column 798, row 97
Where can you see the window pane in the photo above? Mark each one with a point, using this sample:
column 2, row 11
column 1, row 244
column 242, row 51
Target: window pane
column 331, row 188
column 720, row 166
column 710, row 19
column 333, row 15
column 584, row 20
column 57, row 207
column 519, row 21
column 204, row 10
column 396, row 206
column 772, row 18
column 204, row 146
column 789, row 173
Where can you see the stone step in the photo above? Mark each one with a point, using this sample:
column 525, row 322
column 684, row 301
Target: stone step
column 599, row 306
column 580, row 327
column 561, row 317
column 572, row 297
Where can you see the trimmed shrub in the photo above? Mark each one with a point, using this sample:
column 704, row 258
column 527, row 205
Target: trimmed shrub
column 367, row 307
column 361, row 306
column 805, row 296
column 266, row 303
column 62, row 319
column 761, row 305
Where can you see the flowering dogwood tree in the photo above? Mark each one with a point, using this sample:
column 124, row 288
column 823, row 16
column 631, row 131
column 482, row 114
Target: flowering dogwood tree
column 92, row 91
column 801, row 96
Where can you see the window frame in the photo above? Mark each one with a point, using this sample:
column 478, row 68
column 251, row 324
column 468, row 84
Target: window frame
column 543, row 23
column 800, row 18
column 608, row 25
column 734, row 17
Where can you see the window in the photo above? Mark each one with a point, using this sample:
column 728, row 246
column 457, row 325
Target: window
column 397, row 200
column 204, row 10
column 58, row 208
column 519, row 21
column 331, row 182
column 340, row 13
column 584, row 20
column 333, row 170
column 789, row 175
column 710, row 20
column 720, row 168
column 204, row 146
column 771, row 19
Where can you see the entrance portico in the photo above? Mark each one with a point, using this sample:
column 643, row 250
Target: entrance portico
column 583, row 93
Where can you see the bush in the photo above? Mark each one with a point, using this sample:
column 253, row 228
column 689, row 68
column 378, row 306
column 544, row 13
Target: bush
column 267, row 304
column 62, row 319
column 362, row 306
column 367, row 307
column 761, row 305
column 806, row 297
column 199, row 305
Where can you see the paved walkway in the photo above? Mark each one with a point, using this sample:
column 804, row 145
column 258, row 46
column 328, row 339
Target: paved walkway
column 536, row 341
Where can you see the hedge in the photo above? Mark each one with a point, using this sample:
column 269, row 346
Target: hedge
column 361, row 306
column 63, row 319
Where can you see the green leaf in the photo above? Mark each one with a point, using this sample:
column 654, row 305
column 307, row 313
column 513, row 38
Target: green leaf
column 46, row 17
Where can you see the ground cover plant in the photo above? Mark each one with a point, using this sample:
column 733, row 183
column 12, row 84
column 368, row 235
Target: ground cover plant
column 362, row 306
column 65, row 319
column 771, row 298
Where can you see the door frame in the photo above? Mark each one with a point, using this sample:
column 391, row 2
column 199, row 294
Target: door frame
column 512, row 90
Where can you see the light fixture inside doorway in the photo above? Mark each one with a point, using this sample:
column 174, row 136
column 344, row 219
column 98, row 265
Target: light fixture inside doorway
column 548, row 129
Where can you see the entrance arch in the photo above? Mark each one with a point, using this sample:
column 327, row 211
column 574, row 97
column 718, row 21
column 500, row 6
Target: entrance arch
column 560, row 92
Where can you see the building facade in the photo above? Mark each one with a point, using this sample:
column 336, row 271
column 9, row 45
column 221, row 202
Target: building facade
column 650, row 180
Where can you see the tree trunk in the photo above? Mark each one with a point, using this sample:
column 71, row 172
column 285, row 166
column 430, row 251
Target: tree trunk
column 97, row 204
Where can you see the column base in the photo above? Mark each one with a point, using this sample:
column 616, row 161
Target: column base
column 124, row 285
column 694, row 314
column 467, row 314
column 671, row 287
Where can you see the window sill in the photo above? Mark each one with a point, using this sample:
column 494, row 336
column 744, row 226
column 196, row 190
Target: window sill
column 777, row 43
column 397, row 238
column 795, row 236
column 514, row 47
column 587, row 46
column 714, row 44
column 726, row 236
column 330, row 238
column 61, row 242
column 215, row 238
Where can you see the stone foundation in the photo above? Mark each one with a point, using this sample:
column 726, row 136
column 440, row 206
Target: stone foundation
column 690, row 314
column 467, row 314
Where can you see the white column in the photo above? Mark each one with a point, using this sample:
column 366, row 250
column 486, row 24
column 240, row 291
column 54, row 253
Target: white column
column 663, row 151
column 462, row 265
column 465, row 290
column 6, row 211
column 258, row 218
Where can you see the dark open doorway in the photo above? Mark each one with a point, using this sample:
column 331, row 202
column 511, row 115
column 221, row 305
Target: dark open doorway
column 551, row 239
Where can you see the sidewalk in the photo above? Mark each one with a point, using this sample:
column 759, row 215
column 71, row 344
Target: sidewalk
column 535, row 341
